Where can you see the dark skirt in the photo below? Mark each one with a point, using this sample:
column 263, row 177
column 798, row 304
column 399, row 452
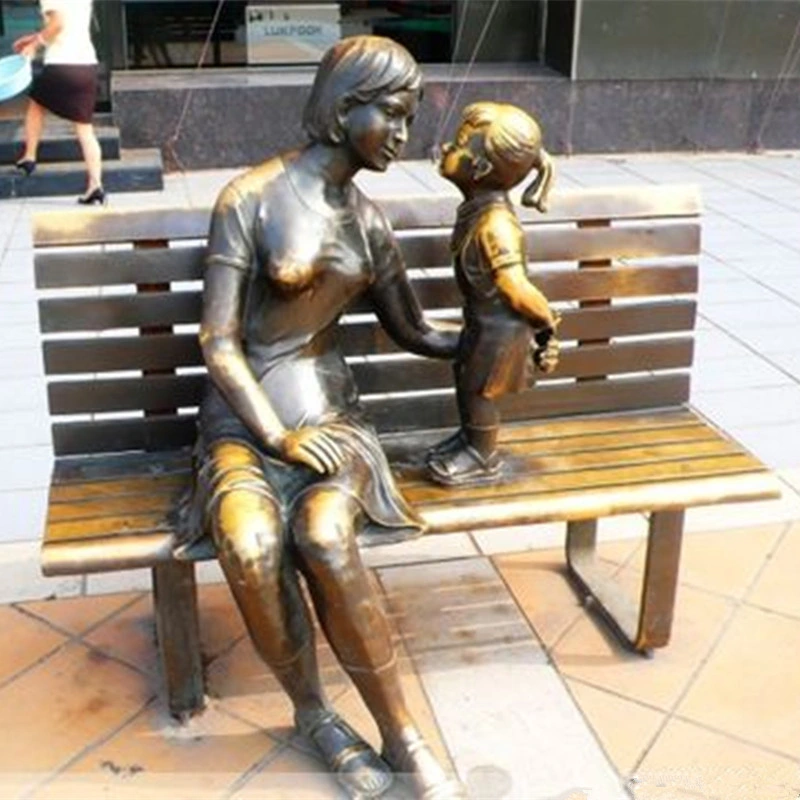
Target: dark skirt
column 67, row 90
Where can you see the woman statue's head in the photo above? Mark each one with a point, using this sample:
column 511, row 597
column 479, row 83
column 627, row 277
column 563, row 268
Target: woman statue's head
column 356, row 71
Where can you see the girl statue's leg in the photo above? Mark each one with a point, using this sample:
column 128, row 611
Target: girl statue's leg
column 254, row 554
column 357, row 628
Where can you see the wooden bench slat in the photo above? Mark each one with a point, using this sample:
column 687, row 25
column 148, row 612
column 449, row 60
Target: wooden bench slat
column 113, row 267
column 76, row 492
column 439, row 411
column 590, row 504
column 111, row 354
column 120, row 465
column 606, row 203
column 85, row 227
column 78, row 227
column 141, row 393
column 431, row 248
column 666, row 316
column 67, row 314
column 423, row 493
column 573, row 284
column 169, row 432
column 372, row 377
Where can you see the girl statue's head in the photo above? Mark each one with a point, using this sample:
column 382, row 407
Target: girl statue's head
column 356, row 70
column 506, row 144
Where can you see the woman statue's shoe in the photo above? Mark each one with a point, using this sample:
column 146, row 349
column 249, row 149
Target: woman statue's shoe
column 26, row 165
column 95, row 197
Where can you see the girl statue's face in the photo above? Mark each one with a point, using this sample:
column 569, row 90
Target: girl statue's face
column 376, row 132
column 461, row 157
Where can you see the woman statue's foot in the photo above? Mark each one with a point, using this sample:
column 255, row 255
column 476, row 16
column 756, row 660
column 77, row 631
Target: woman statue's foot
column 360, row 771
column 414, row 761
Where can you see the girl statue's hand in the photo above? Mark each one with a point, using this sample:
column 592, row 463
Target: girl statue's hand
column 313, row 448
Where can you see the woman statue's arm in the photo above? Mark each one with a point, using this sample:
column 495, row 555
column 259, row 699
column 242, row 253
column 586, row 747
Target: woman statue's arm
column 224, row 300
column 395, row 303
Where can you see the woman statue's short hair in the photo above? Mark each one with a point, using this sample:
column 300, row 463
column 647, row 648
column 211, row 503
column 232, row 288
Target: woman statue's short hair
column 357, row 69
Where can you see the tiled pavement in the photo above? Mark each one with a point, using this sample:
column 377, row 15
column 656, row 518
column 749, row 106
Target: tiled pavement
column 514, row 681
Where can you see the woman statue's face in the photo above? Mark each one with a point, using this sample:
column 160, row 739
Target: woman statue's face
column 376, row 132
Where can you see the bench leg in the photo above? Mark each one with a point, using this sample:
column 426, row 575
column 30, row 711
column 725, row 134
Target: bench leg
column 178, row 632
column 647, row 626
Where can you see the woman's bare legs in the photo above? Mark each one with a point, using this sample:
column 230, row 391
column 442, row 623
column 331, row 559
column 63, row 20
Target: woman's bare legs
column 258, row 565
column 32, row 127
column 358, row 631
column 92, row 156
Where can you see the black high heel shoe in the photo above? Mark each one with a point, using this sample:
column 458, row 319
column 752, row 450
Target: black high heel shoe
column 26, row 165
column 96, row 196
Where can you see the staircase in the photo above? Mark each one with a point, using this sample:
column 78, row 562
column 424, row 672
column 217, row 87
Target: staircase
column 60, row 169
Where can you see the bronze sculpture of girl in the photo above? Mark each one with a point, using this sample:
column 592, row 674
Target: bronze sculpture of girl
column 289, row 475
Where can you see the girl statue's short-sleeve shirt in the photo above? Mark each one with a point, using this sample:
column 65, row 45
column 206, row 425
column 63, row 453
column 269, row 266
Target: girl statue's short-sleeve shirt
column 73, row 44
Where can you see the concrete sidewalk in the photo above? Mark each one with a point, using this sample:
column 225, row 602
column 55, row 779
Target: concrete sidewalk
column 516, row 683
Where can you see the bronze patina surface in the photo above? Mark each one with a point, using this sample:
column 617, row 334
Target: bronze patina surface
column 495, row 148
column 288, row 472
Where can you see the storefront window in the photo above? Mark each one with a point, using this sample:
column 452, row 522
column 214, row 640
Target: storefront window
column 164, row 33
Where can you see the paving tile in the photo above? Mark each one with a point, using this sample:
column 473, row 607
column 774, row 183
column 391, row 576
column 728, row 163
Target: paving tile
column 64, row 705
column 739, row 515
column 242, row 684
column 155, row 757
column 776, row 588
column 75, row 615
column 21, row 512
column 221, row 623
column 495, row 696
column 748, row 685
column 588, row 652
column 778, row 446
column 27, row 641
column 539, row 584
column 624, row 728
column 749, row 407
column 427, row 548
column 130, row 636
column 688, row 761
column 739, row 373
column 21, row 575
column 291, row 774
column 728, row 561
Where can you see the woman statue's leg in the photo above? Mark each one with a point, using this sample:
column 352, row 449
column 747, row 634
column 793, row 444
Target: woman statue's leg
column 248, row 532
column 357, row 628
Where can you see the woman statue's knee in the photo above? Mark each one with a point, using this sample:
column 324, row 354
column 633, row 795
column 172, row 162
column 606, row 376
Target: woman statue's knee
column 323, row 528
column 248, row 533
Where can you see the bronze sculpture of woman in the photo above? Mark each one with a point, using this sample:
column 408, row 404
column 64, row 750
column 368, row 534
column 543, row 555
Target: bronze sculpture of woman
column 288, row 472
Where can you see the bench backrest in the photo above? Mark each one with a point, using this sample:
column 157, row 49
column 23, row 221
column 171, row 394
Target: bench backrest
column 121, row 299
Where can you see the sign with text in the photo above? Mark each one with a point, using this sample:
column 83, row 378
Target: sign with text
column 291, row 34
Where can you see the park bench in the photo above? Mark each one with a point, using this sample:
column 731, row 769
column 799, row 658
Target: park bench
column 610, row 432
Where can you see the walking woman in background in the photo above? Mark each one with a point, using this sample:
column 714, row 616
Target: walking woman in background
column 66, row 86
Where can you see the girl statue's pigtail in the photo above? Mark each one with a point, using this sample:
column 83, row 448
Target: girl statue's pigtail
column 536, row 194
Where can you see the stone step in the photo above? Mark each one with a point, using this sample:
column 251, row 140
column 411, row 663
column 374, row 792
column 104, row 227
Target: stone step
column 58, row 144
column 135, row 171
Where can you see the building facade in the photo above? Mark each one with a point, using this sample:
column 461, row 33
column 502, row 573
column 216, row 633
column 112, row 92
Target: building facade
column 223, row 82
